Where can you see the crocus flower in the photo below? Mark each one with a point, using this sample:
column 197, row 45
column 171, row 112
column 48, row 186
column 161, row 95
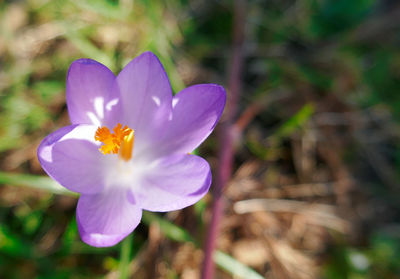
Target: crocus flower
column 128, row 148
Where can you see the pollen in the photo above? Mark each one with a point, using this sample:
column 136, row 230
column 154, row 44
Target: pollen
column 119, row 142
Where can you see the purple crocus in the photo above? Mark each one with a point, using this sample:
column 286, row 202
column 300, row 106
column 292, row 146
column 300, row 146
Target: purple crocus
column 129, row 143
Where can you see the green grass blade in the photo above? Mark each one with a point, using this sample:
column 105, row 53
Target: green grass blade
column 295, row 122
column 234, row 267
column 171, row 230
column 223, row 260
column 34, row 181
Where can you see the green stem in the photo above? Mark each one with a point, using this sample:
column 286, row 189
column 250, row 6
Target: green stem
column 126, row 250
column 171, row 230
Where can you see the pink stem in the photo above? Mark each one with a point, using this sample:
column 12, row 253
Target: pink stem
column 226, row 138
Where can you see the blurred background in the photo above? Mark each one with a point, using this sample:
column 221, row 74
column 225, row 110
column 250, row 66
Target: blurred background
column 315, row 186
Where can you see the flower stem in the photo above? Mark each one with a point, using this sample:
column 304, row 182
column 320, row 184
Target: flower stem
column 226, row 137
column 126, row 250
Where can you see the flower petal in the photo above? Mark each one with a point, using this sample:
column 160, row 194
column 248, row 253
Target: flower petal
column 71, row 157
column 196, row 111
column 145, row 96
column 172, row 183
column 106, row 218
column 89, row 94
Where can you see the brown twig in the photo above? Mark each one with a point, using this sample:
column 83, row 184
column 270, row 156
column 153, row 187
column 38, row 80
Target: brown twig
column 226, row 137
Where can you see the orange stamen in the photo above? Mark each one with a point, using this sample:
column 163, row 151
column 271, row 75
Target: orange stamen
column 121, row 140
column 127, row 146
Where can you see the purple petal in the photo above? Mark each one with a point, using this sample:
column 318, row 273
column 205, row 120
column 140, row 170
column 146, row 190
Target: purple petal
column 173, row 183
column 145, row 96
column 89, row 94
column 196, row 110
column 71, row 157
column 105, row 219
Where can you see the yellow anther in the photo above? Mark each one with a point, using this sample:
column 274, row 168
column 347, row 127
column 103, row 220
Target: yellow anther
column 127, row 146
column 120, row 141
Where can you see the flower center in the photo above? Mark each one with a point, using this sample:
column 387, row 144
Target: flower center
column 121, row 141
